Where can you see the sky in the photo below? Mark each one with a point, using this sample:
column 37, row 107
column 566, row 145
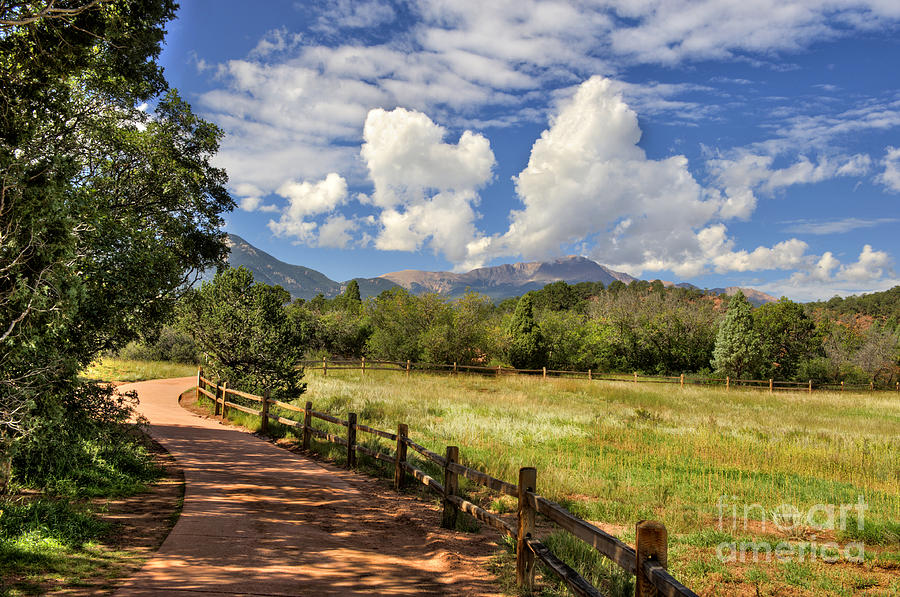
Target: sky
column 723, row 143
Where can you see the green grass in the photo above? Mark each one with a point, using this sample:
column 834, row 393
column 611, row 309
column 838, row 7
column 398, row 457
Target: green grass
column 112, row 369
column 621, row 452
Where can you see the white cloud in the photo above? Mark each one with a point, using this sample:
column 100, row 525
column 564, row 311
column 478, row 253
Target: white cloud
column 587, row 180
column 354, row 14
column 891, row 175
column 669, row 32
column 275, row 41
column 335, row 232
column 425, row 188
column 870, row 266
column 835, row 226
column 744, row 173
column 306, row 199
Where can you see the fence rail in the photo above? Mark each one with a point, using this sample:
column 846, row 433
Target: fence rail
column 772, row 385
column 651, row 575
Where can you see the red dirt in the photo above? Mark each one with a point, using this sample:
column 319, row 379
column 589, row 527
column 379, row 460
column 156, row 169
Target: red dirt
column 258, row 520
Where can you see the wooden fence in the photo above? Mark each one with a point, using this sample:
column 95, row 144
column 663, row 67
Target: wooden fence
column 326, row 365
column 647, row 561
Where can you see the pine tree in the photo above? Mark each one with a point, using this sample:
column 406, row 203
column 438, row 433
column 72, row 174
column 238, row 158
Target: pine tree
column 738, row 347
column 527, row 348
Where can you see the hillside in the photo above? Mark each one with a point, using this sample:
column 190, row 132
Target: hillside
column 497, row 282
column 508, row 280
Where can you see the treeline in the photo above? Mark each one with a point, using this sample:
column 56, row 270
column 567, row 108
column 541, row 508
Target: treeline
column 642, row 327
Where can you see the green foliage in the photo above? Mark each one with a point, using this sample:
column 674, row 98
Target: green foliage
column 787, row 339
column 106, row 211
column 463, row 332
column 79, row 444
column 398, row 321
column 171, row 344
column 527, row 348
column 738, row 347
column 245, row 330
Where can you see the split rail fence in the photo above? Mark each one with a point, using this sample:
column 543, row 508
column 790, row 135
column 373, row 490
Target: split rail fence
column 647, row 561
column 326, row 365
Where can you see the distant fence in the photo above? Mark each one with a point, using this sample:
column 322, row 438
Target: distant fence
column 727, row 383
column 647, row 561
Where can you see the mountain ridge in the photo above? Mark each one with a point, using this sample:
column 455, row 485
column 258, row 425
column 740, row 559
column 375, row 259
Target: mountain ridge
column 497, row 282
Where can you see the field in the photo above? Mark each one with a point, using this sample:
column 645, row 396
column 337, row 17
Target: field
column 122, row 370
column 732, row 474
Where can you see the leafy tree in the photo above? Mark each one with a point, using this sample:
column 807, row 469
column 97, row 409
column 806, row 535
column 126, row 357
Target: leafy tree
column 527, row 349
column 464, row 332
column 105, row 212
column 738, row 348
column 788, row 338
column 398, row 320
column 245, row 331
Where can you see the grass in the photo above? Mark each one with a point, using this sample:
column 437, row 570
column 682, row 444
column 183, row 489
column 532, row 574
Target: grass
column 693, row 458
column 112, row 369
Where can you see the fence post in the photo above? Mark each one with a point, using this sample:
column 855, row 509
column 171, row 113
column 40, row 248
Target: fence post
column 589, row 375
column 351, row 440
column 307, row 422
column 324, row 367
column 264, row 423
column 400, row 457
column 651, row 544
column 407, row 367
column 451, row 485
column 224, row 393
column 545, row 373
column 682, row 380
column 871, row 386
column 770, row 385
column 898, row 386
column 199, row 375
column 499, row 367
column 810, row 387
column 727, row 381
column 454, row 366
column 524, row 555
column 364, row 365
column 635, row 377
column 842, row 386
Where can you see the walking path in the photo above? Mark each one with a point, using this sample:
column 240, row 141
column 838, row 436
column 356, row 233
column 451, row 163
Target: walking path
column 259, row 520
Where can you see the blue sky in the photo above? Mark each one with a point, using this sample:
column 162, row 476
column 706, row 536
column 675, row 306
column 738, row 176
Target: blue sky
column 752, row 143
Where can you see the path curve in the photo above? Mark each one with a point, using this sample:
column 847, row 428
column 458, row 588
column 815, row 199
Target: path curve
column 259, row 520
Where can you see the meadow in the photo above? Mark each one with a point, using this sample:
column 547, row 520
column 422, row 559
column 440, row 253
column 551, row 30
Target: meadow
column 692, row 457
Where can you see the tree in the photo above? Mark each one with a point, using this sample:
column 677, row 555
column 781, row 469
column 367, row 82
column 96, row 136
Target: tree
column 787, row 337
column 527, row 349
column 105, row 213
column 738, row 348
column 245, row 331
column 351, row 293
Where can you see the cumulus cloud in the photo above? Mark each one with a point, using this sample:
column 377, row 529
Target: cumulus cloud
column 305, row 200
column 835, row 226
column 425, row 188
column 891, row 175
column 587, row 180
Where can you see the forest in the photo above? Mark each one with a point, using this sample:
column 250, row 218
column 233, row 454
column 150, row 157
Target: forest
column 643, row 327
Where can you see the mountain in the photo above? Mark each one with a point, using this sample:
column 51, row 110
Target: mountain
column 498, row 282
column 504, row 281
column 755, row 297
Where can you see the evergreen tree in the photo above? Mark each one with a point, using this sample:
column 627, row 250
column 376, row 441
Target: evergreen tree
column 527, row 348
column 738, row 347
column 351, row 293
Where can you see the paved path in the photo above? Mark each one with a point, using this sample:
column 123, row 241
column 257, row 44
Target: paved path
column 259, row 520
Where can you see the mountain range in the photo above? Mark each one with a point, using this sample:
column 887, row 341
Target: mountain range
column 498, row 282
